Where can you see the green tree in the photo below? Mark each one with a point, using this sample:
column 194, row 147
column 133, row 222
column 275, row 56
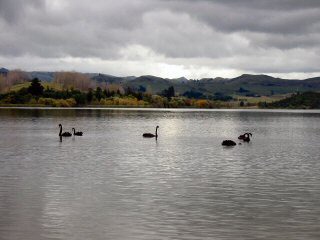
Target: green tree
column 98, row 93
column 80, row 98
column 142, row 89
column 168, row 93
column 171, row 92
column 36, row 89
column 89, row 95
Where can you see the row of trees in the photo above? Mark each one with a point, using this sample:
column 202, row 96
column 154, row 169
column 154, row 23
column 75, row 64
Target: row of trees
column 112, row 95
column 74, row 80
column 67, row 80
column 82, row 82
column 12, row 78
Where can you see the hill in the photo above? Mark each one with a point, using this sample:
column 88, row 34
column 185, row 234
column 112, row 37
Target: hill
column 246, row 85
column 306, row 100
column 43, row 76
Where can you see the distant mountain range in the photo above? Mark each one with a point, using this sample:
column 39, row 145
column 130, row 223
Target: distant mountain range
column 246, row 84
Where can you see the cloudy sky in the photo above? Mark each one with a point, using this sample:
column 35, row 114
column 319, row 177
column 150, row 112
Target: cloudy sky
column 167, row 38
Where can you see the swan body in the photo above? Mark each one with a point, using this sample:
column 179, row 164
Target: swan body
column 76, row 133
column 150, row 135
column 228, row 143
column 65, row 134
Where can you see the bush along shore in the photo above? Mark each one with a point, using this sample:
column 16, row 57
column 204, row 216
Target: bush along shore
column 36, row 94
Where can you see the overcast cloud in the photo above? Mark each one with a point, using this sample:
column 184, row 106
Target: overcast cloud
column 167, row 38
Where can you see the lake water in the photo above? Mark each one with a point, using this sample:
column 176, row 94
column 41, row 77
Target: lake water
column 113, row 184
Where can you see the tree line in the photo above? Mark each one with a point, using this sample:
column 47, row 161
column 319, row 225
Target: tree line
column 107, row 95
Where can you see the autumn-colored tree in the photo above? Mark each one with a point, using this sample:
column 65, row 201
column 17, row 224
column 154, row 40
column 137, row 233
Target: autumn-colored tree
column 2, row 83
column 116, row 88
column 202, row 103
column 158, row 101
column 15, row 77
column 74, row 80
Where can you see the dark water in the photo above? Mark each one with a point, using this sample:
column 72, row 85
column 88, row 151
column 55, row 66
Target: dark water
column 113, row 184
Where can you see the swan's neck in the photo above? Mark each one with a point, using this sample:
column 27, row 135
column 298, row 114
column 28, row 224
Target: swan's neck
column 60, row 131
column 74, row 131
column 156, row 132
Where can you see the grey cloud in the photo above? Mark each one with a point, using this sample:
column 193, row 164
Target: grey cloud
column 261, row 4
column 230, row 16
column 279, row 41
column 250, row 32
column 11, row 11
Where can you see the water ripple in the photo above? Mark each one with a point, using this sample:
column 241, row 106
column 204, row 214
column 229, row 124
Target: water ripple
column 113, row 184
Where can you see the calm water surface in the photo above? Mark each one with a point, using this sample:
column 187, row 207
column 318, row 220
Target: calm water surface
column 113, row 184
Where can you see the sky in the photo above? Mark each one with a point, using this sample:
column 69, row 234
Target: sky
column 167, row 38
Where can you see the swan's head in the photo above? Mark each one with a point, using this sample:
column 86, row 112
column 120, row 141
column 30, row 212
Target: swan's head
column 60, row 125
column 73, row 129
column 157, row 127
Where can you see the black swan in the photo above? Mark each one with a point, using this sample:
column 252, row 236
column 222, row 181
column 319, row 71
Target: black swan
column 65, row 134
column 243, row 136
column 150, row 135
column 76, row 133
column 228, row 143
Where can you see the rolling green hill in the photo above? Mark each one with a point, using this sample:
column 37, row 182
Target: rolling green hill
column 245, row 85
column 19, row 86
column 306, row 100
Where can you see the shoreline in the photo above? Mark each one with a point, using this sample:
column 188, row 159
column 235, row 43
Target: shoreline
column 110, row 106
column 128, row 108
